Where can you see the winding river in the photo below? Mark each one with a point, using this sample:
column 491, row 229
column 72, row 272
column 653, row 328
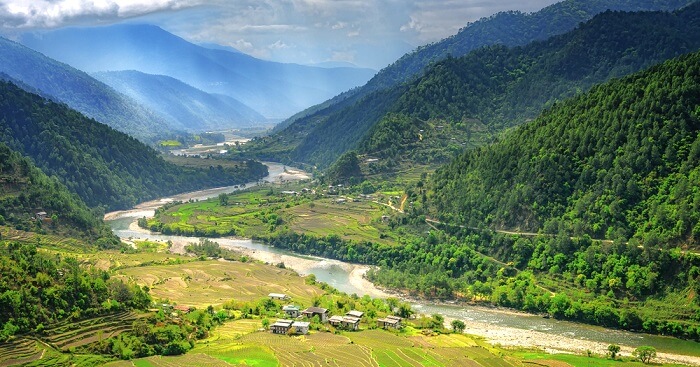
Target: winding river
column 496, row 325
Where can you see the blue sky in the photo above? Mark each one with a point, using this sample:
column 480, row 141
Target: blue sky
column 368, row 33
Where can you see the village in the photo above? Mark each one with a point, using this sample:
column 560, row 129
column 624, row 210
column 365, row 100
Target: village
column 293, row 324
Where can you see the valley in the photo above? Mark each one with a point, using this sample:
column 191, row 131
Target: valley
column 497, row 326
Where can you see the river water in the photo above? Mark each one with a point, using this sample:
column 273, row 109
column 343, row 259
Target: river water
column 480, row 320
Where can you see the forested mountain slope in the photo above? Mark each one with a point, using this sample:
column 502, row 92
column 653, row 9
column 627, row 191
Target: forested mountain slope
column 499, row 87
column 506, row 28
column 26, row 191
column 78, row 90
column 619, row 162
column 183, row 106
column 103, row 166
column 511, row 28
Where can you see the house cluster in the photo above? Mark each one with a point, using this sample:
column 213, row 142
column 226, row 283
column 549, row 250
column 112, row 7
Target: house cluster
column 283, row 326
column 350, row 321
column 389, row 322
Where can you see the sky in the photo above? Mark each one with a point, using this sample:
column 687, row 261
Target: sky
column 367, row 33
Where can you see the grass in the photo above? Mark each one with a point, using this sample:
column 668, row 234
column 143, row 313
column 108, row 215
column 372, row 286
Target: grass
column 203, row 283
column 544, row 359
column 170, row 143
column 263, row 211
column 249, row 355
column 150, row 246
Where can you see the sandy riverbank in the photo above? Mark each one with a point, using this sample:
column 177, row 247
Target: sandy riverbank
column 550, row 343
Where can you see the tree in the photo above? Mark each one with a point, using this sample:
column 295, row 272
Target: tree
column 345, row 170
column 223, row 199
column 458, row 326
column 613, row 350
column 405, row 310
column 265, row 323
column 644, row 353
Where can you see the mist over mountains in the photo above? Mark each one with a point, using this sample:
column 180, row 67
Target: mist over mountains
column 78, row 90
column 183, row 106
column 275, row 90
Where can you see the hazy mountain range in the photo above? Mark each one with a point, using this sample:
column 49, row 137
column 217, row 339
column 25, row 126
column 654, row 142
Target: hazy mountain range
column 183, row 106
column 78, row 90
column 275, row 90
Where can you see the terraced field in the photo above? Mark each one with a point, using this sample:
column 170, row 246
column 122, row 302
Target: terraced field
column 191, row 359
column 47, row 350
column 68, row 334
column 359, row 221
column 238, row 343
column 19, row 352
column 111, row 260
column 47, row 241
column 29, row 352
column 204, row 283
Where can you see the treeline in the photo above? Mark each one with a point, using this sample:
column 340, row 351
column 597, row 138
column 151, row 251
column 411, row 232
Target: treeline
column 619, row 163
column 501, row 86
column 27, row 191
column 103, row 166
column 38, row 289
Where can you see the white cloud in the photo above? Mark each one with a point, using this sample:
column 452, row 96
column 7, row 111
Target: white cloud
column 432, row 20
column 347, row 56
column 279, row 45
column 413, row 24
column 54, row 13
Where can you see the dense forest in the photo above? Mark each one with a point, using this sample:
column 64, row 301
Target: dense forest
column 26, row 191
column 619, row 162
column 500, row 87
column 103, row 166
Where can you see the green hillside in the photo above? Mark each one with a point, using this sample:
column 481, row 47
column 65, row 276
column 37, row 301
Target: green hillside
column 619, row 162
column 26, row 191
column 510, row 28
column 103, row 166
column 494, row 88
